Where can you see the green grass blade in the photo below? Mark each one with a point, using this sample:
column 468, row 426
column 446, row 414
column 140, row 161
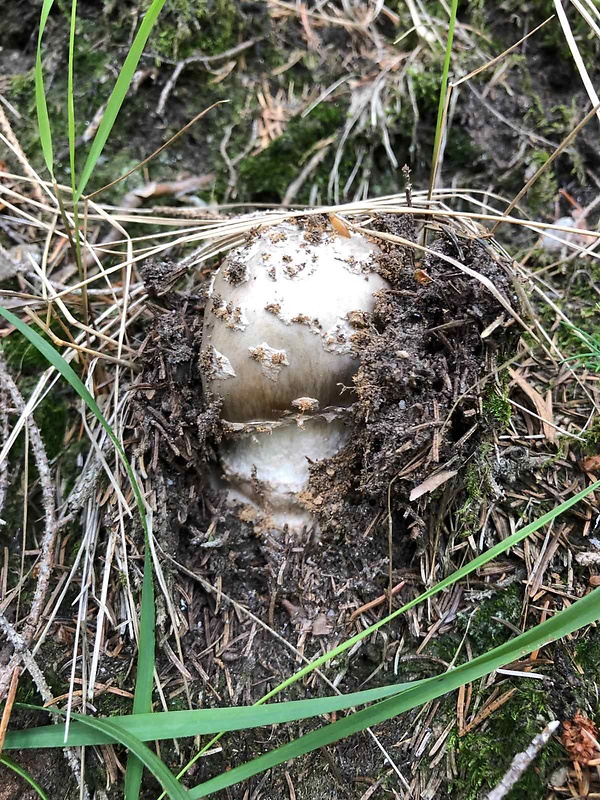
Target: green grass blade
column 145, row 673
column 458, row 575
column 142, row 698
column 16, row 768
column 103, row 730
column 143, row 686
column 74, row 240
column 71, row 97
column 115, row 100
column 439, row 129
column 143, row 755
column 475, row 564
column 40, row 93
column 177, row 724
column 582, row 612
column 54, row 357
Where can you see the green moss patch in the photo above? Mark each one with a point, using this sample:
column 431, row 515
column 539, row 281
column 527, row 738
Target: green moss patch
column 483, row 756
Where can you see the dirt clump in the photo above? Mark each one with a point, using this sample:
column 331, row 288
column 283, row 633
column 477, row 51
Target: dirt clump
column 420, row 383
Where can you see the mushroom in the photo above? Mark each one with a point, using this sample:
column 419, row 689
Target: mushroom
column 277, row 348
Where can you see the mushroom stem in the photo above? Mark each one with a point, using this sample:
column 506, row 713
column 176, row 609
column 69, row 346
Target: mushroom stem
column 271, row 469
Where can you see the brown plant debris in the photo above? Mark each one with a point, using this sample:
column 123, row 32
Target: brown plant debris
column 579, row 738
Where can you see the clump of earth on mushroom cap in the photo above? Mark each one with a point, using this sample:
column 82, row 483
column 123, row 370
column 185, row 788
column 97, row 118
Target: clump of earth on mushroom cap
column 277, row 348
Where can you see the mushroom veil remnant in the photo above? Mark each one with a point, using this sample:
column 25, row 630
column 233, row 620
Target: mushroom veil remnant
column 277, row 348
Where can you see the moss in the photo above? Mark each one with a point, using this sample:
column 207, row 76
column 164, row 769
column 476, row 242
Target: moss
column 266, row 176
column 197, row 26
column 591, row 437
column 23, row 93
column 26, row 691
column 94, row 80
column 21, row 354
column 554, row 41
column 52, row 413
column 52, row 417
column 497, row 406
column 551, row 38
column 426, row 84
column 484, row 625
column 460, row 149
column 483, row 756
column 467, row 515
column 52, row 655
column 467, row 518
column 581, row 310
column 22, row 87
column 544, row 191
column 473, row 482
column 113, row 705
column 587, row 651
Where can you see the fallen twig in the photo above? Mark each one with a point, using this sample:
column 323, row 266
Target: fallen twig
column 522, row 761
column 12, row 693
column 377, row 601
column 22, row 653
column 195, row 59
column 18, row 150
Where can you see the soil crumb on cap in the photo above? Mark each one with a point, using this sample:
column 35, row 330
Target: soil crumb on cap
column 306, row 404
column 271, row 361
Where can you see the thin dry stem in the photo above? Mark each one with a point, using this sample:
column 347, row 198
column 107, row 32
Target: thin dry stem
column 46, row 556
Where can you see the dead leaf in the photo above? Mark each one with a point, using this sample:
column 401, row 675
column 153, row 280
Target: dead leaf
column 321, row 626
column 431, row 483
column 492, row 326
column 591, row 464
column 543, row 407
column 579, row 738
column 422, row 277
column 223, row 72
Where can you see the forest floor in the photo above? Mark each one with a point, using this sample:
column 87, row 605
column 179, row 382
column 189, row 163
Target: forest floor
column 316, row 104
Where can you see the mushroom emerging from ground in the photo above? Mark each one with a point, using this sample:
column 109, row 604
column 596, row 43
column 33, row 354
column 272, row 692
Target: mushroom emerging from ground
column 277, row 348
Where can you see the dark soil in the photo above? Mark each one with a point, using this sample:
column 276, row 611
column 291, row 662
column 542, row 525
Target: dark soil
column 50, row 772
column 420, row 383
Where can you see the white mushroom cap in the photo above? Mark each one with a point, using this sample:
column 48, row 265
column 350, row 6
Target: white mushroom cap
column 277, row 348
